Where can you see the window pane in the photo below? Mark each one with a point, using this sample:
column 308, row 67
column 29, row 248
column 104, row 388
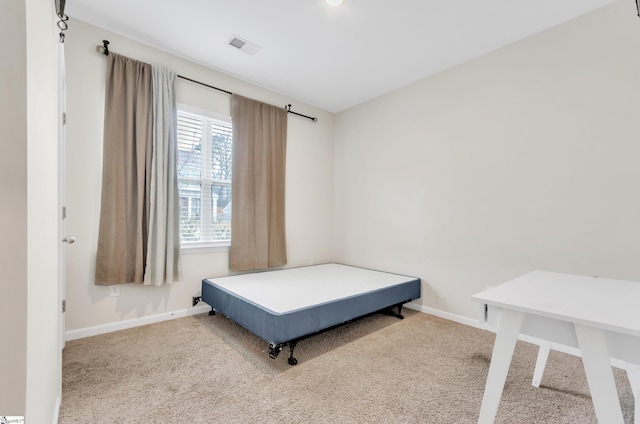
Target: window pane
column 190, row 200
column 189, row 146
column 221, row 152
column 221, row 212
column 204, row 178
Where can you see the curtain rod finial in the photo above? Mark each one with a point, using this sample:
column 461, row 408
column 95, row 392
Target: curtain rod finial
column 104, row 49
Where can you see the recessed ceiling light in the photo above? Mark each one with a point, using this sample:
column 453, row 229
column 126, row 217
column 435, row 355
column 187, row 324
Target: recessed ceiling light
column 334, row 2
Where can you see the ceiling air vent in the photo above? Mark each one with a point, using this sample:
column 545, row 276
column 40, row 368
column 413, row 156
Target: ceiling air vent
column 244, row 45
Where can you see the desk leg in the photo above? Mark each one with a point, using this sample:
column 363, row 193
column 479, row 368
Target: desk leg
column 633, row 373
column 543, row 355
column 597, row 366
column 503, row 348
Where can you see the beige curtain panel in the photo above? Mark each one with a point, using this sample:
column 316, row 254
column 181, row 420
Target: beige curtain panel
column 258, row 185
column 124, row 213
column 163, row 253
column 139, row 235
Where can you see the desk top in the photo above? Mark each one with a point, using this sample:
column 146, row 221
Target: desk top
column 604, row 303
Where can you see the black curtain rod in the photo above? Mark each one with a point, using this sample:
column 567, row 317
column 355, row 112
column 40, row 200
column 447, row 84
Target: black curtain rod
column 205, row 85
column 104, row 49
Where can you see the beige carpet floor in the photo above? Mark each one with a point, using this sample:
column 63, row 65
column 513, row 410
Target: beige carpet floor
column 422, row 369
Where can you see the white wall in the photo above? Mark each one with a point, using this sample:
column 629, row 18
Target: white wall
column 309, row 180
column 526, row 158
column 522, row 159
column 29, row 362
column 43, row 349
column 13, row 213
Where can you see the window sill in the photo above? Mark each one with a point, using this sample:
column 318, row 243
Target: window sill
column 192, row 249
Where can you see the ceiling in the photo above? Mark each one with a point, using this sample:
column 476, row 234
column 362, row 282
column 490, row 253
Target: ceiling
column 330, row 57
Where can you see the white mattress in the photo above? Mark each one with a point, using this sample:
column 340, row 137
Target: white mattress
column 291, row 289
column 284, row 305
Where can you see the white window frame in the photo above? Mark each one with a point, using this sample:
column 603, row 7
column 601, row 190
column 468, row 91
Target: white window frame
column 207, row 181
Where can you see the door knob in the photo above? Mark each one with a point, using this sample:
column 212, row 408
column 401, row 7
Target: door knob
column 69, row 240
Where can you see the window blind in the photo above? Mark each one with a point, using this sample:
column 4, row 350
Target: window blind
column 204, row 178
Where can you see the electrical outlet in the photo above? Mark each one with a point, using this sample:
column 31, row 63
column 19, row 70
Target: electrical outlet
column 114, row 290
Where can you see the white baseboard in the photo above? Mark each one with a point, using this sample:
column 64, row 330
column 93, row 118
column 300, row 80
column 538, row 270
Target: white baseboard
column 56, row 410
column 136, row 322
column 131, row 323
column 476, row 323
column 446, row 315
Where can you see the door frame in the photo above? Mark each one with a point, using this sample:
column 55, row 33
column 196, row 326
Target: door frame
column 61, row 208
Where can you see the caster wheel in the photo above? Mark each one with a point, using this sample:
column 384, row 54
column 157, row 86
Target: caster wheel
column 293, row 361
column 212, row 313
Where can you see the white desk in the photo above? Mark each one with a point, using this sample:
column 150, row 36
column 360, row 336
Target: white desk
column 599, row 316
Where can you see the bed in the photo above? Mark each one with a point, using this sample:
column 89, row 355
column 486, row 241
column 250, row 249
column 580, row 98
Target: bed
column 285, row 306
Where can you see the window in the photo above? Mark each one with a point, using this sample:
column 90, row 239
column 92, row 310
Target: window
column 204, row 179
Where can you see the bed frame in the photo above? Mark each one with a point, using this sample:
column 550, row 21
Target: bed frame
column 285, row 306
